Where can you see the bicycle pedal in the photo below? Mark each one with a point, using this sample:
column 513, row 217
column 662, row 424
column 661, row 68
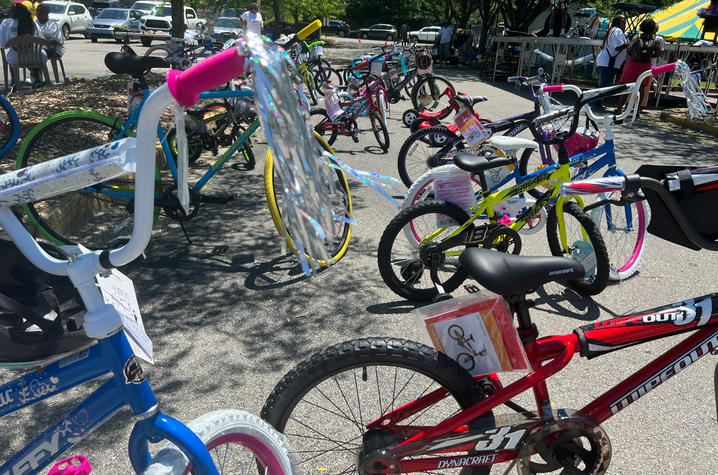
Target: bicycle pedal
column 217, row 198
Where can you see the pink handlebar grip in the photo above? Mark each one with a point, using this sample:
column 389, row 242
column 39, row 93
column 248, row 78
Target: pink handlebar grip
column 77, row 465
column 666, row 68
column 554, row 88
column 220, row 68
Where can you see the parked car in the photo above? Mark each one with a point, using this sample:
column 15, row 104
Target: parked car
column 227, row 28
column 380, row 31
column 229, row 13
column 104, row 24
column 159, row 21
column 427, row 34
column 146, row 6
column 72, row 17
column 96, row 7
column 336, row 27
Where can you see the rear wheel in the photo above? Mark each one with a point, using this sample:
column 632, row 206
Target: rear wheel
column 164, row 53
column 583, row 243
column 323, row 125
column 432, row 92
column 9, row 126
column 95, row 216
column 325, row 404
column 66, row 31
column 531, row 162
column 427, row 148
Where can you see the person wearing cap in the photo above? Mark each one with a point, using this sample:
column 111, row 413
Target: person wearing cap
column 252, row 20
column 31, row 7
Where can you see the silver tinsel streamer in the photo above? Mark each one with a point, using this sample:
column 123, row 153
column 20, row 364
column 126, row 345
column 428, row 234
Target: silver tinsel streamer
column 695, row 99
column 307, row 210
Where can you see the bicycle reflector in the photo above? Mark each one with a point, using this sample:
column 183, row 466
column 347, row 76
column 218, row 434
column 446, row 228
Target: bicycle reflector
column 423, row 61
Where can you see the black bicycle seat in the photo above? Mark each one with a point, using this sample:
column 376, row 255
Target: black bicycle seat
column 120, row 63
column 509, row 274
column 475, row 164
column 469, row 101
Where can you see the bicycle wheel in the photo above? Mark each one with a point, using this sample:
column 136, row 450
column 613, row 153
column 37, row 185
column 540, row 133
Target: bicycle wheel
column 530, row 162
column 173, row 62
column 402, row 262
column 379, row 128
column 238, row 441
column 427, row 148
column 323, row 125
column 431, row 92
column 583, row 239
column 339, row 193
column 311, row 86
column 95, row 216
column 623, row 229
column 9, row 126
column 325, row 403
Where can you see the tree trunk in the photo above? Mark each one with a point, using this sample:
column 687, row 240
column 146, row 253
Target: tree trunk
column 178, row 26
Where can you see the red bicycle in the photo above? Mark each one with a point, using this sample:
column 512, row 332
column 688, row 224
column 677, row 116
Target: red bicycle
column 385, row 406
column 370, row 99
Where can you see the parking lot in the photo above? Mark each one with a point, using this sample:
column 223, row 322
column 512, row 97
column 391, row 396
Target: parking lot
column 229, row 315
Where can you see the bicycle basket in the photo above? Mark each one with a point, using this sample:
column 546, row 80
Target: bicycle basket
column 40, row 313
column 581, row 141
column 696, row 200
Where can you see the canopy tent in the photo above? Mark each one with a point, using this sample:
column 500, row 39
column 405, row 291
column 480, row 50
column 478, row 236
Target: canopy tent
column 679, row 21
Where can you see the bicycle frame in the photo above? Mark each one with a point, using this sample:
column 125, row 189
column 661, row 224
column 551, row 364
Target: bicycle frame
column 548, row 356
column 367, row 101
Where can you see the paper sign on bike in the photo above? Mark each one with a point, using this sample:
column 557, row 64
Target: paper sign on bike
column 470, row 128
column 331, row 104
column 453, row 184
column 475, row 331
column 376, row 67
column 117, row 290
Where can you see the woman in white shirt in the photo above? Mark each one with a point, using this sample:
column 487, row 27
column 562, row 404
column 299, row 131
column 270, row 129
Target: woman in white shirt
column 20, row 23
column 49, row 30
column 252, row 20
column 613, row 54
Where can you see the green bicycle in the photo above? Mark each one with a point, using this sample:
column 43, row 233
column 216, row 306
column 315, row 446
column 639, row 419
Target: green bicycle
column 426, row 262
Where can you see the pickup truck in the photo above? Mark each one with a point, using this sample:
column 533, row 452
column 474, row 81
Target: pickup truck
column 159, row 21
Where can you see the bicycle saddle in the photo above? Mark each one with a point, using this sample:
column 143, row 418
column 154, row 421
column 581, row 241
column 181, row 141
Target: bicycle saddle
column 509, row 274
column 120, row 63
column 469, row 101
column 475, row 164
column 511, row 144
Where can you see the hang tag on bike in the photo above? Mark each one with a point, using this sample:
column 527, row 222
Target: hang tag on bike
column 476, row 331
column 376, row 68
column 470, row 128
column 119, row 291
column 320, row 50
column 454, row 185
column 331, row 104
column 182, row 159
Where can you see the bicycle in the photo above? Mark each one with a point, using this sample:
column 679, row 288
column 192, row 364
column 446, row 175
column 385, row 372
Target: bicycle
column 180, row 57
column 115, row 338
column 100, row 215
column 466, row 360
column 9, row 126
column 397, row 406
column 370, row 100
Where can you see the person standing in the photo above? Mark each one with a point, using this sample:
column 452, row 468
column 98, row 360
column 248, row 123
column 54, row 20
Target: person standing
column 50, row 30
column 559, row 14
column 612, row 55
column 641, row 50
column 445, row 34
column 252, row 20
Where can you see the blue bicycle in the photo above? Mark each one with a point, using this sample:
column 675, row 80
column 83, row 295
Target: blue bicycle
column 110, row 338
column 9, row 126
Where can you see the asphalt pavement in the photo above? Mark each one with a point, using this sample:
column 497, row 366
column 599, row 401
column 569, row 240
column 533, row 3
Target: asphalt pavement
column 229, row 314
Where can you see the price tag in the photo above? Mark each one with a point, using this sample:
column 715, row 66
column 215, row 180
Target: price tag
column 470, row 128
column 117, row 290
column 453, row 185
column 331, row 105
column 376, row 67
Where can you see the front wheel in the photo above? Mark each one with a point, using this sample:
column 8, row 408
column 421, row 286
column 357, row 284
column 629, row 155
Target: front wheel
column 326, row 402
column 66, row 31
column 414, row 241
column 530, row 162
column 623, row 229
column 239, row 442
column 427, row 148
column 311, row 87
column 432, row 92
column 378, row 126
column 323, row 125
column 163, row 52
column 583, row 242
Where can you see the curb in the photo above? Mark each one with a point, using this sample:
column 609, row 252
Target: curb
column 689, row 123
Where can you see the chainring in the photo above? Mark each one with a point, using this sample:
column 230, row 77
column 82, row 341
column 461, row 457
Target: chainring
column 172, row 208
column 568, row 444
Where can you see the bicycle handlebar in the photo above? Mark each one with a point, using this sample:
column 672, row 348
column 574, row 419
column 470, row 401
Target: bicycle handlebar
column 309, row 29
column 603, row 185
column 218, row 69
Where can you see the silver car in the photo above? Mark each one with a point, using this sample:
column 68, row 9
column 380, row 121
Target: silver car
column 103, row 25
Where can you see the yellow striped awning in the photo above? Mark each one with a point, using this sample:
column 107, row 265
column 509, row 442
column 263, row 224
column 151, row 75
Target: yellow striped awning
column 679, row 21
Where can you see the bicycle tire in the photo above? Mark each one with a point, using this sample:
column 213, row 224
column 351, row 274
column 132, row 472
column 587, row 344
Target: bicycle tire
column 94, row 220
column 594, row 284
column 166, row 54
column 310, row 84
column 226, row 428
column 380, row 131
column 9, row 126
column 528, row 165
column 625, row 241
column 423, row 147
column 398, row 255
column 425, row 367
column 429, row 90
column 270, row 190
column 320, row 120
